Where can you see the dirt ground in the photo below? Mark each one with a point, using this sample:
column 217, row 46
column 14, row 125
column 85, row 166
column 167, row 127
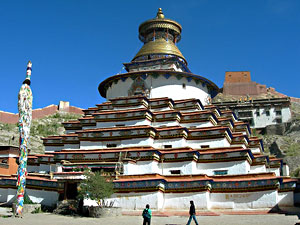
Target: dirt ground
column 52, row 219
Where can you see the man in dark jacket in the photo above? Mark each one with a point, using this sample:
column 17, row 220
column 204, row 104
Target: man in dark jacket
column 192, row 214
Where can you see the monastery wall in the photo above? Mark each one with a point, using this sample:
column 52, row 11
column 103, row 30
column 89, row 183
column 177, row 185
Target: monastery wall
column 239, row 83
column 7, row 195
column 204, row 200
column 244, row 200
column 250, row 88
column 179, row 201
column 286, row 198
column 12, row 118
column 293, row 99
column 48, row 198
column 133, row 201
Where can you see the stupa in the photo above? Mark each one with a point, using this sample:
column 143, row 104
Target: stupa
column 161, row 140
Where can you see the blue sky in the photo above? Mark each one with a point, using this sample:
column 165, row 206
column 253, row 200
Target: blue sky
column 74, row 45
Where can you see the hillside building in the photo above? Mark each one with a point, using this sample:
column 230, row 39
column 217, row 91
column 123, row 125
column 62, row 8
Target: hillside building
column 259, row 113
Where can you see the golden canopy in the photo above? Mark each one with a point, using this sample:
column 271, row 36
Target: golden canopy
column 155, row 43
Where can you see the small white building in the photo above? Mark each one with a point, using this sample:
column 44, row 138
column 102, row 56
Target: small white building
column 260, row 113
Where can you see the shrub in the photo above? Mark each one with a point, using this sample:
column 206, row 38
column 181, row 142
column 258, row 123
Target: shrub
column 95, row 187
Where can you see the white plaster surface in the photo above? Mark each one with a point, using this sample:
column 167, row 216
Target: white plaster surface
column 171, row 87
column 233, row 167
column 286, row 198
column 245, row 200
column 43, row 197
column 181, row 201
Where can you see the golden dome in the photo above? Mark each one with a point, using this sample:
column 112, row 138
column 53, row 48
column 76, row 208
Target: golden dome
column 159, row 46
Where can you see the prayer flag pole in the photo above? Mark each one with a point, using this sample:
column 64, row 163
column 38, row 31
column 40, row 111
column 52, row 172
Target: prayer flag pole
column 25, row 116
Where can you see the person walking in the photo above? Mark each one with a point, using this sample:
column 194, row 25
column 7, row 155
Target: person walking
column 192, row 214
column 147, row 214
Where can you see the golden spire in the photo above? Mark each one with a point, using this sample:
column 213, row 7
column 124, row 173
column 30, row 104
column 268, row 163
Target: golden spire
column 160, row 36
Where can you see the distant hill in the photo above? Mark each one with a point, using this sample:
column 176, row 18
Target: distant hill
column 49, row 125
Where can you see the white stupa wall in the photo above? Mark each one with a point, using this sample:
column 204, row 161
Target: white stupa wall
column 274, row 170
column 174, row 142
column 161, row 86
column 233, row 168
column 121, row 143
column 198, row 124
column 125, row 123
column 188, row 167
column 258, row 169
column 213, row 143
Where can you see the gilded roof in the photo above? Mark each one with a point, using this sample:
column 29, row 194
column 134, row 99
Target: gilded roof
column 160, row 46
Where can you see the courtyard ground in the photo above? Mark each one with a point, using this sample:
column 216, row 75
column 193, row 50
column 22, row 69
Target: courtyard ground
column 222, row 219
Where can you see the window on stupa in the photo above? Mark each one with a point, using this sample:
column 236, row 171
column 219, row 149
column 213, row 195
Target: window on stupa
column 267, row 113
column 257, row 113
column 111, row 145
column 278, row 112
column 175, row 171
column 204, row 146
column 220, row 172
column 183, row 85
column 167, row 146
column 120, row 125
column 279, row 120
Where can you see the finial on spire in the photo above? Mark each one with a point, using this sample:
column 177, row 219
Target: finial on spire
column 28, row 71
column 160, row 14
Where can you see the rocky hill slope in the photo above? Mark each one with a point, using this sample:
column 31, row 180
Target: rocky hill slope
column 49, row 125
column 287, row 144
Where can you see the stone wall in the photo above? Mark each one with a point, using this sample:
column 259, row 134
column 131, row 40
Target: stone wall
column 239, row 83
column 11, row 118
column 297, row 100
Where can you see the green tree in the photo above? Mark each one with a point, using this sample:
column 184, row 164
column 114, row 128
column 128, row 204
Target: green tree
column 95, row 187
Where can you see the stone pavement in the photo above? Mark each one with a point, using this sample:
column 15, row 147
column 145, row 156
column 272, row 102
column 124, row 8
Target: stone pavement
column 222, row 219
